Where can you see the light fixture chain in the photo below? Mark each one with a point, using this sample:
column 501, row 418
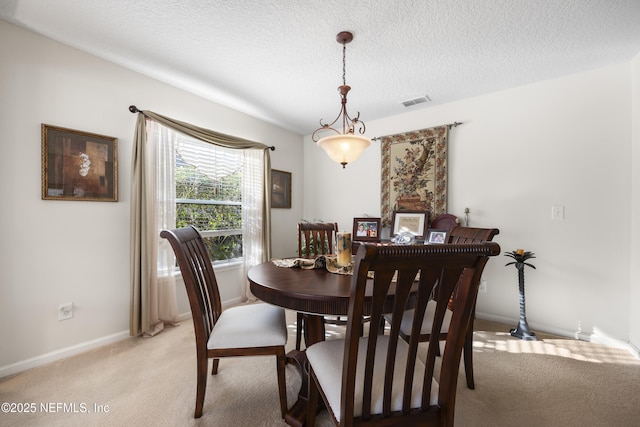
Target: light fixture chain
column 344, row 64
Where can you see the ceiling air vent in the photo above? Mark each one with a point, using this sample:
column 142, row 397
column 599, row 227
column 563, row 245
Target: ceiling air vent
column 414, row 101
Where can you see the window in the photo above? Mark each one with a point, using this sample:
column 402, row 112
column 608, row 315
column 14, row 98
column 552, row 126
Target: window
column 209, row 195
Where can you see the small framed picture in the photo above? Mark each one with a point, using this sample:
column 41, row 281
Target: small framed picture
column 366, row 229
column 280, row 189
column 78, row 165
column 414, row 222
column 436, row 237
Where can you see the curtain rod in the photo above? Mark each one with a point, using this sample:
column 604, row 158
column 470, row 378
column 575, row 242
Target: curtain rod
column 450, row 125
column 135, row 109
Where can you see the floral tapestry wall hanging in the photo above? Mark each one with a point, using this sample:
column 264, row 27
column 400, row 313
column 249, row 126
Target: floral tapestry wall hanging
column 414, row 172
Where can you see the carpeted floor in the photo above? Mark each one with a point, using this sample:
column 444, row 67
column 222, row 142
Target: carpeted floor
column 151, row 382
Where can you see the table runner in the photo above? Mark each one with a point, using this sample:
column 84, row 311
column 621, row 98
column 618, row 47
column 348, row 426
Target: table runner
column 327, row 262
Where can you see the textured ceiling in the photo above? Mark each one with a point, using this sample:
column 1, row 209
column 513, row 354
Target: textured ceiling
column 279, row 61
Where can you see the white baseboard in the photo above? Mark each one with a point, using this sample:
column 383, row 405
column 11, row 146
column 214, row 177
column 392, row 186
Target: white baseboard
column 600, row 338
column 583, row 336
column 634, row 350
column 510, row 321
column 232, row 301
column 43, row 359
column 52, row 356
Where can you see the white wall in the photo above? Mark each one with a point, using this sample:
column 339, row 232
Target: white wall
column 560, row 142
column 54, row 252
column 566, row 141
column 634, row 300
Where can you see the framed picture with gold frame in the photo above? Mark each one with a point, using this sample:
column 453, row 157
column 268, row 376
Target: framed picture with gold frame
column 78, row 165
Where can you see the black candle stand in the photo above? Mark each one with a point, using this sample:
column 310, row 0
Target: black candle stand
column 522, row 331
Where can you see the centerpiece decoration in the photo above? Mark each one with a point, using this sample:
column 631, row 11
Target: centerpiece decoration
column 343, row 248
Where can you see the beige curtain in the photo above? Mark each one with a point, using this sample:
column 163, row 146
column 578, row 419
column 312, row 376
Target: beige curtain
column 151, row 298
column 155, row 191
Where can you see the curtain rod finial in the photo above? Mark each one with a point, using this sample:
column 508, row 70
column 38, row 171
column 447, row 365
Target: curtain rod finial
column 133, row 109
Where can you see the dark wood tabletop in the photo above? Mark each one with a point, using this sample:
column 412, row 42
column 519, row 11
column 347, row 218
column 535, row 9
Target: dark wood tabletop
column 315, row 291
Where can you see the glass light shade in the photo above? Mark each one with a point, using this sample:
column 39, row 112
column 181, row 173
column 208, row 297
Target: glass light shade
column 344, row 149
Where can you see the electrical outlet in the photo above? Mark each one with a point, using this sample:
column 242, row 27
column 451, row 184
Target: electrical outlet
column 483, row 286
column 65, row 311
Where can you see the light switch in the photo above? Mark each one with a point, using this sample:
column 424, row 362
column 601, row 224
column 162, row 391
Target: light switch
column 557, row 212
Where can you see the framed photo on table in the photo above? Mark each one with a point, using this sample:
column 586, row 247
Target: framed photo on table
column 366, row 230
column 414, row 222
column 78, row 165
column 436, row 237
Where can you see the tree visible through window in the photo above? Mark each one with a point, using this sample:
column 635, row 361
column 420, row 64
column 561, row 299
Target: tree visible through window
column 209, row 195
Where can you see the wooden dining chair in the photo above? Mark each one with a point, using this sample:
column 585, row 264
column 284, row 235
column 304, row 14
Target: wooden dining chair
column 444, row 222
column 458, row 235
column 314, row 239
column 381, row 380
column 249, row 330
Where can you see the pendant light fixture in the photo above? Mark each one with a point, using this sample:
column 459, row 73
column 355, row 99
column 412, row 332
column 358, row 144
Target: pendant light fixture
column 343, row 147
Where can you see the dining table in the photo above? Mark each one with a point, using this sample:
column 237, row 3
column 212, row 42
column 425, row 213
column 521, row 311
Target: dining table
column 315, row 293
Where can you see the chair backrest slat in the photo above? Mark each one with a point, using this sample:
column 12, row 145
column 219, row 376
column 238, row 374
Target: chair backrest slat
column 199, row 279
column 412, row 272
column 316, row 238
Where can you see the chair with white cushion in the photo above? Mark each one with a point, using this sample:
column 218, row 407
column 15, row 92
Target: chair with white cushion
column 249, row 330
column 315, row 239
column 382, row 380
column 458, row 235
